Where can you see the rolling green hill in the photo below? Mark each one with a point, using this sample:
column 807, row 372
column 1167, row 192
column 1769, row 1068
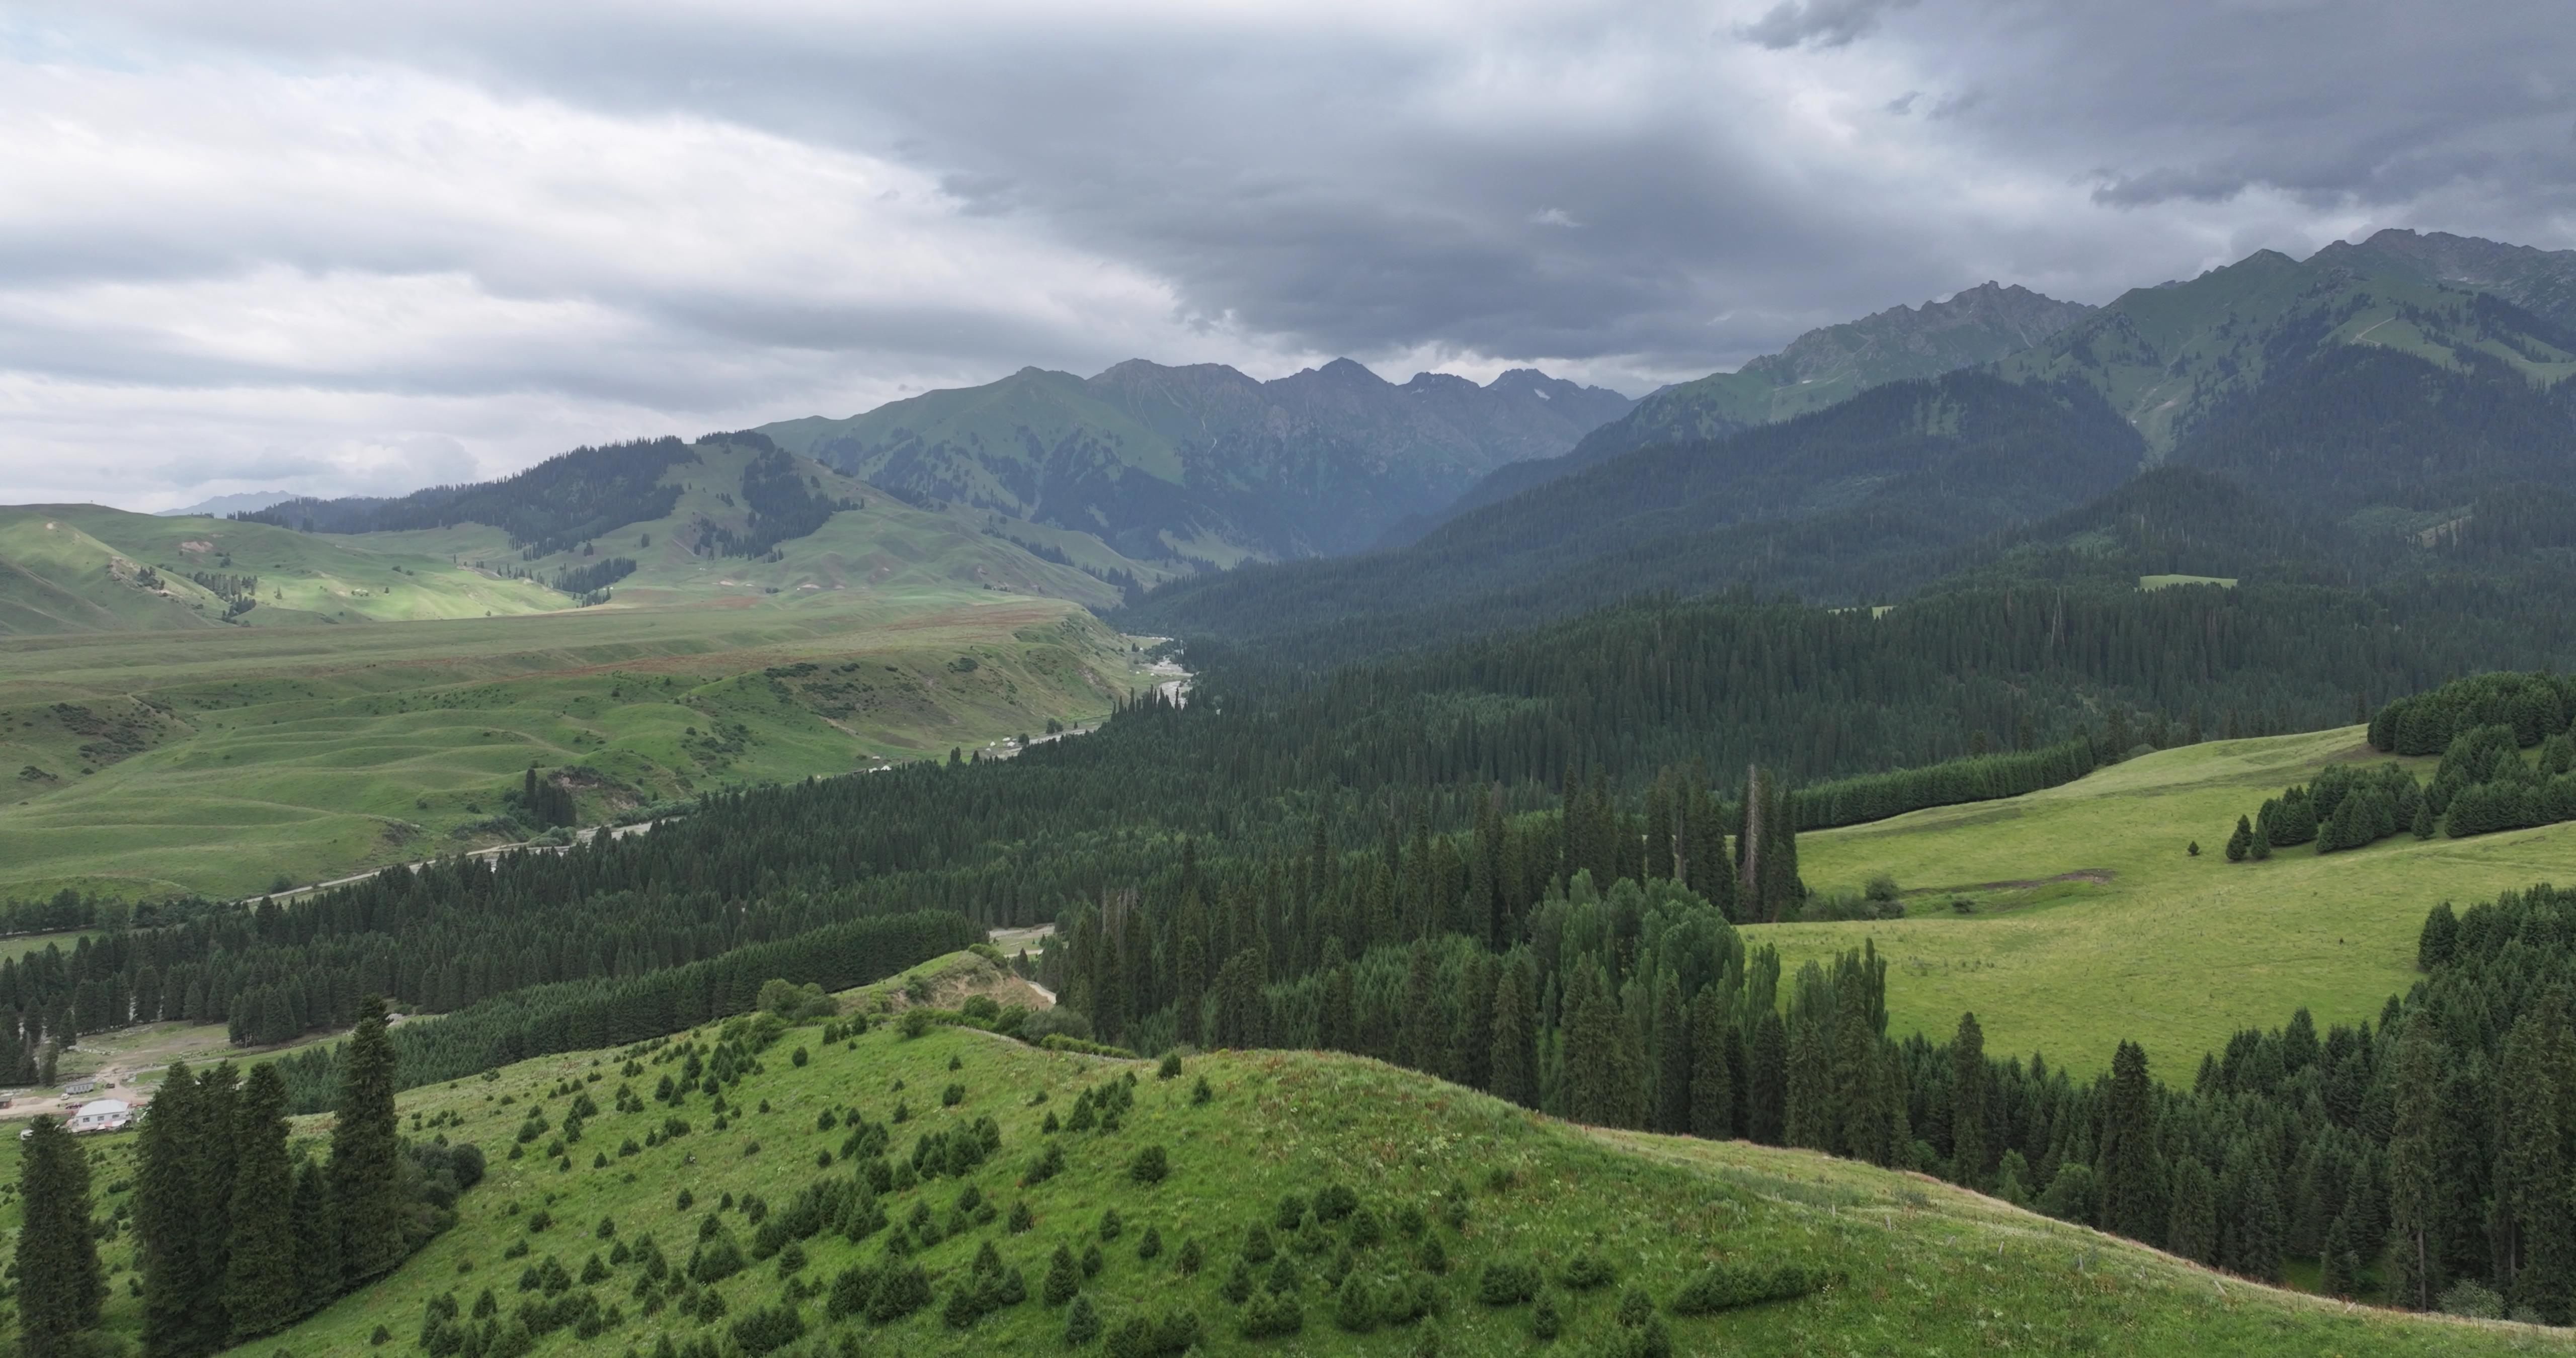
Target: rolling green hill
column 2094, row 925
column 380, row 688
column 82, row 568
column 253, row 754
column 1449, row 1196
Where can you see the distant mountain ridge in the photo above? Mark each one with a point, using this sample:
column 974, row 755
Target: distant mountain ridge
column 2357, row 416
column 2173, row 357
column 1820, row 368
column 221, row 505
column 1203, row 461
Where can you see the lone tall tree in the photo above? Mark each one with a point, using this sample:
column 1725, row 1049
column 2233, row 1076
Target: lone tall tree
column 60, row 1286
column 1968, row 1103
column 259, row 1276
column 365, row 1152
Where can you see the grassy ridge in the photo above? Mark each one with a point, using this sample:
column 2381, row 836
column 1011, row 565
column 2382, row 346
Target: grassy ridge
column 1924, row 1267
column 139, row 766
column 2110, row 930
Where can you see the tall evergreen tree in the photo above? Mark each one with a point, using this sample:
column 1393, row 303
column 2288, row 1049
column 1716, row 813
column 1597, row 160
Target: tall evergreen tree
column 167, row 1217
column 60, row 1285
column 1968, row 1104
column 1766, row 1094
column 2418, row 1223
column 1713, row 1074
column 1515, row 1058
column 2531, row 1168
column 317, row 1240
column 1672, row 1056
column 2192, row 1228
column 2128, row 1171
column 260, row 1288
column 366, row 1153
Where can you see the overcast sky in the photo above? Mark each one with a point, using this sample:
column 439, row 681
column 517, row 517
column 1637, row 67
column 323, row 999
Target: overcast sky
column 320, row 246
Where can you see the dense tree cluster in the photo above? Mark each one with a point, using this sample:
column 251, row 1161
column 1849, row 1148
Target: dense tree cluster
column 782, row 503
column 557, row 504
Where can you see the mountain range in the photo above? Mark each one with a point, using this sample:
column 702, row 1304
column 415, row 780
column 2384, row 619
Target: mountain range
column 2410, row 387
column 1202, row 462
column 2376, row 401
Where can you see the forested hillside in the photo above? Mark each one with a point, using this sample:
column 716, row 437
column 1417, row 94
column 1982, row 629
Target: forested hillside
column 1835, row 505
column 1818, row 369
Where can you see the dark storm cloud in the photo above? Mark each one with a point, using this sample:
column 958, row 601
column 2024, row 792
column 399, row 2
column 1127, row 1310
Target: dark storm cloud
column 1642, row 190
column 1822, row 23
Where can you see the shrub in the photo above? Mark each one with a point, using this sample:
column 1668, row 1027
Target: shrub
column 916, row 1022
column 1110, row 1225
column 952, row 1096
column 1238, row 1284
column 1091, row 1261
column 1021, row 1218
column 1189, row 1259
column 1504, row 1283
column 1151, row 1246
column 1200, row 1093
column 899, row 1293
column 1063, row 1279
column 1333, row 1202
column 1355, row 1306
column 770, row 1328
column 1272, row 1315
column 1256, row 1244
column 1149, row 1166
column 1170, row 1069
column 1725, row 1287
column 1082, row 1323
column 1586, row 1271
column 1546, row 1322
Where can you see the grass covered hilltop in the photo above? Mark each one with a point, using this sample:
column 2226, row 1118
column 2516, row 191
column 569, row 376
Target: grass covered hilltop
column 931, row 1188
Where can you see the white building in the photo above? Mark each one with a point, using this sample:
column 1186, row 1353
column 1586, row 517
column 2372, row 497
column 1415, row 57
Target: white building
column 102, row 1115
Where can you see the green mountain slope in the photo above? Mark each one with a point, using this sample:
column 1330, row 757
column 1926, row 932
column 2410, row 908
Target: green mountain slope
column 2542, row 282
column 2170, row 358
column 1831, row 503
column 1450, row 1195
column 1202, row 462
column 79, row 568
column 1818, row 369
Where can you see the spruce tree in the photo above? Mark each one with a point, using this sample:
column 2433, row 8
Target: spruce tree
column 260, row 1288
column 1968, row 1104
column 1712, row 1091
column 60, row 1284
column 317, row 1241
column 213, row 1120
column 366, row 1188
column 2128, row 1171
column 1672, row 1057
column 166, row 1218
column 2532, row 1171
column 2418, row 1224
column 1515, row 1057
column 2242, row 842
column 1765, row 1113
column 2191, row 1228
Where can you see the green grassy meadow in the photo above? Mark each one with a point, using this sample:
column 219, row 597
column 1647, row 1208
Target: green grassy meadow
column 1919, row 1267
column 2105, row 928
column 142, row 764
